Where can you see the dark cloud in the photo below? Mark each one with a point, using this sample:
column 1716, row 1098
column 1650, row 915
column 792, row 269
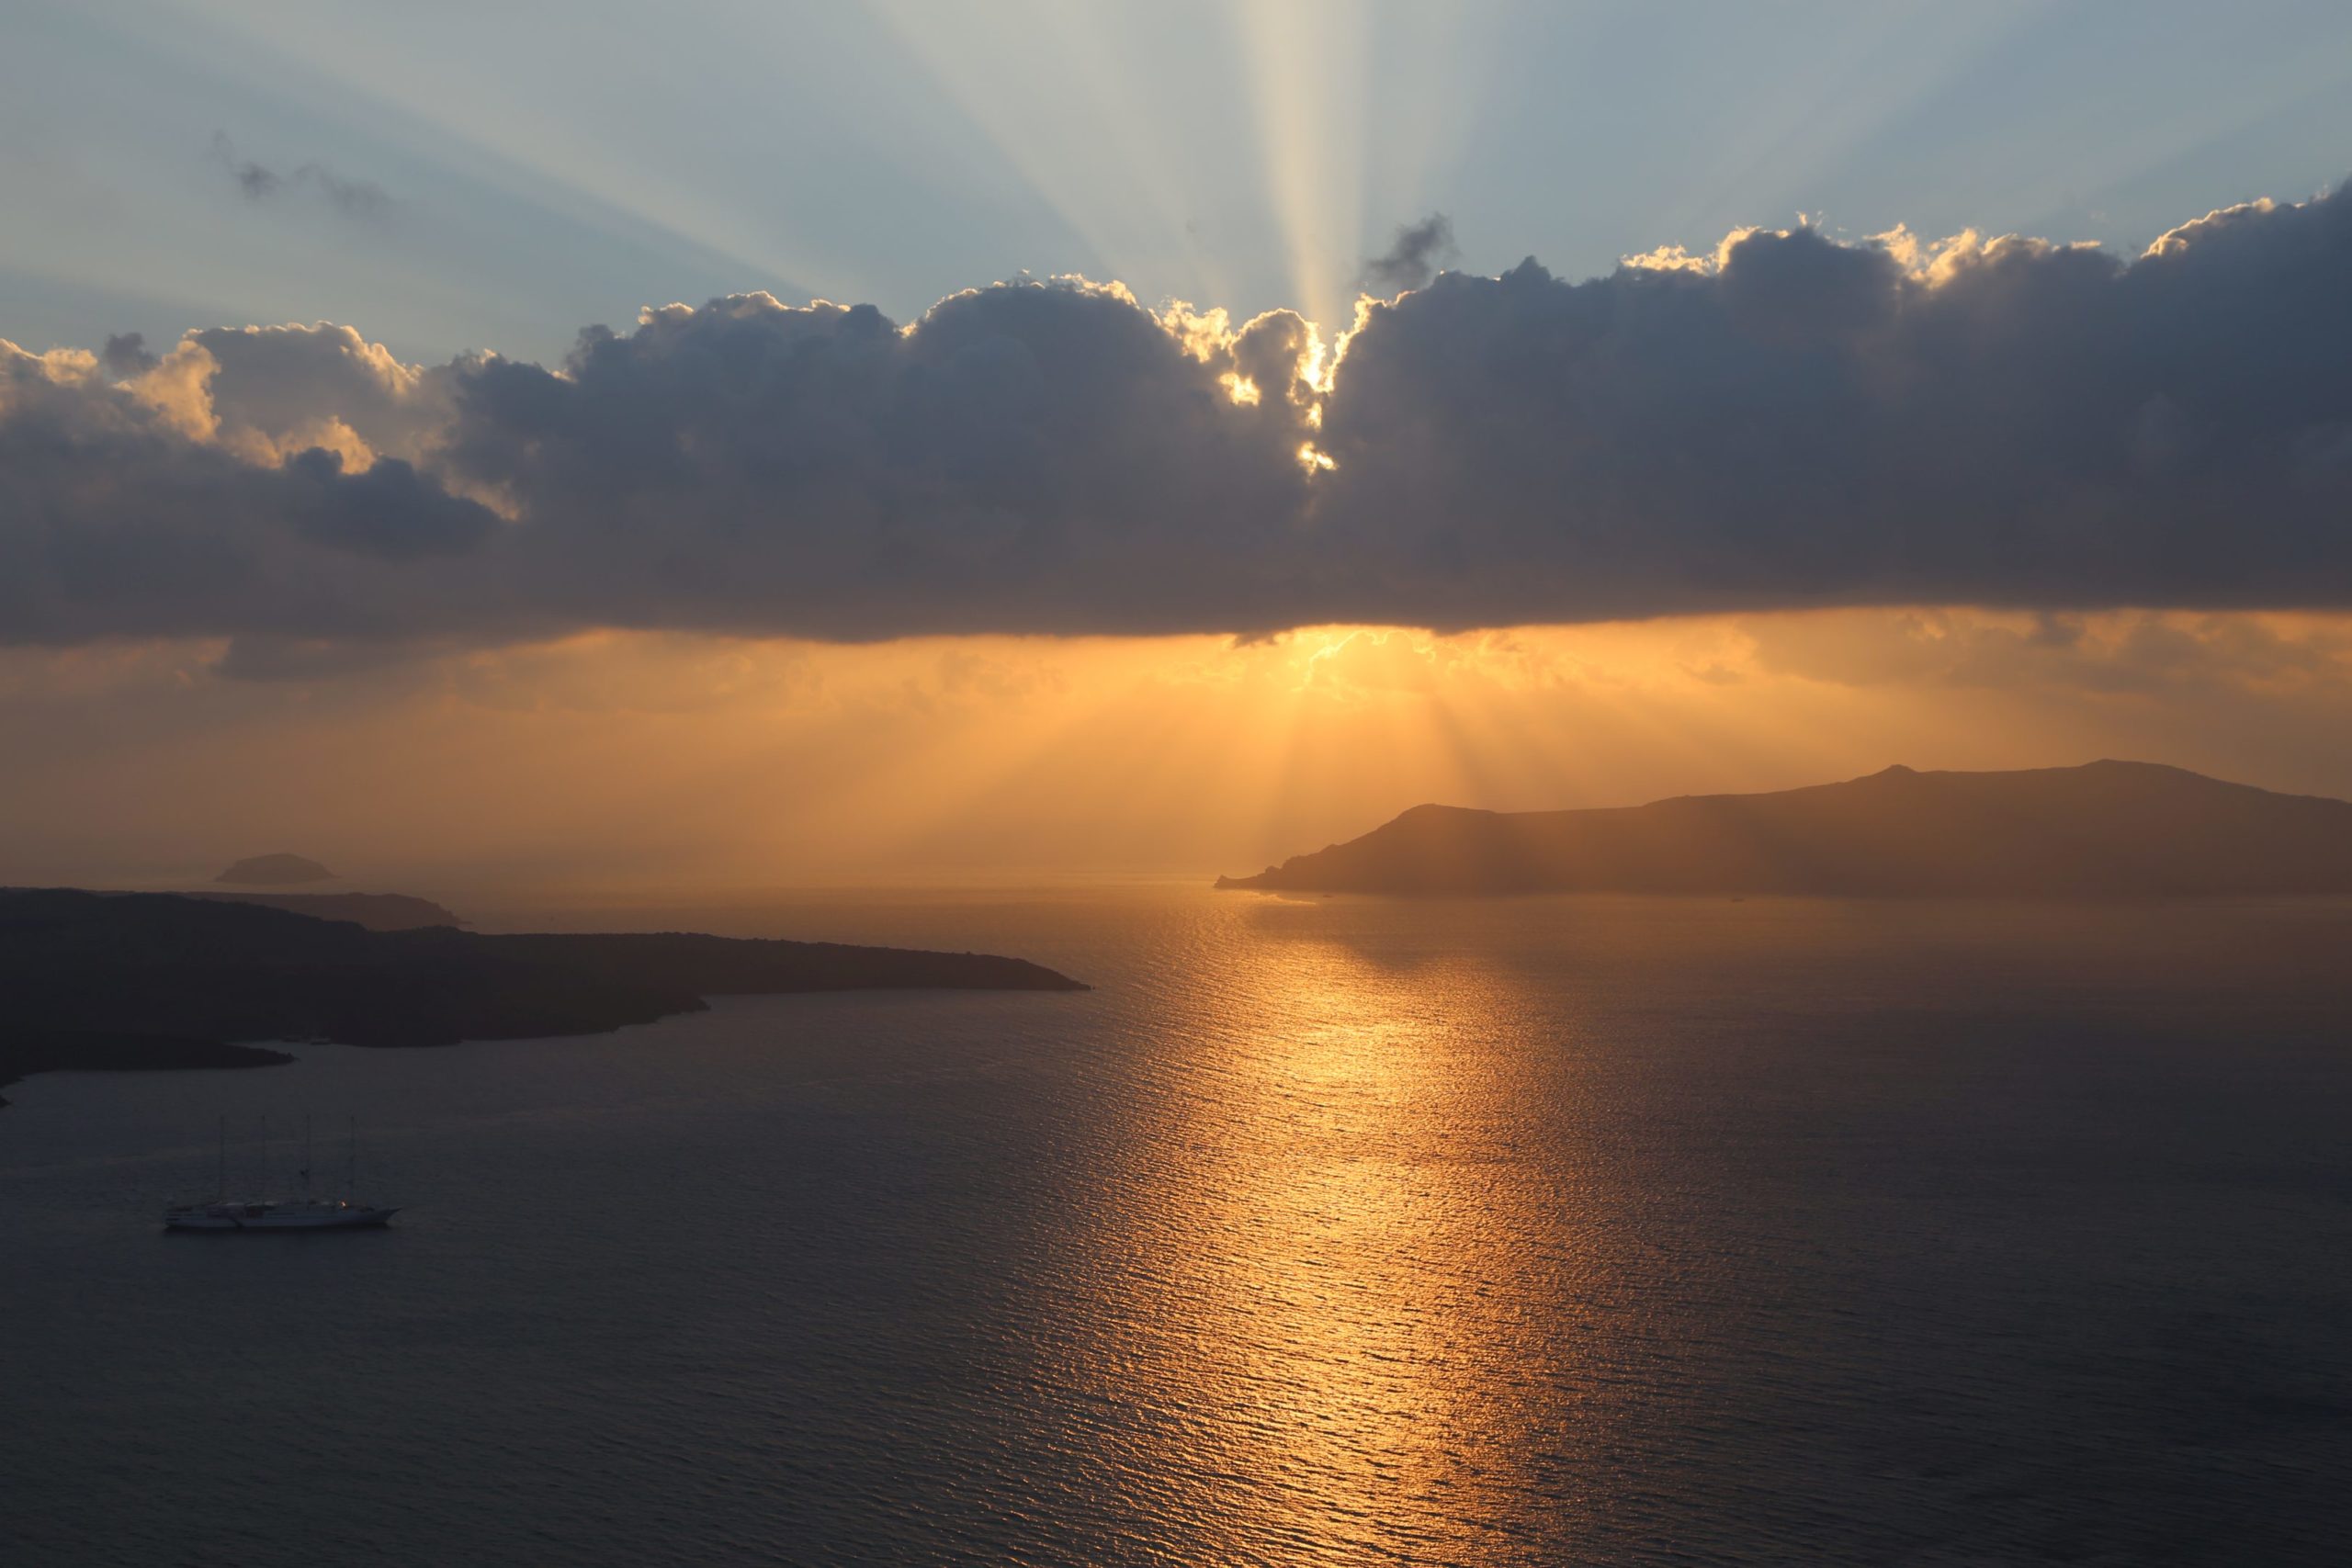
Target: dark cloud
column 1796, row 422
column 386, row 510
column 1029, row 457
column 126, row 354
column 316, row 182
column 114, row 523
column 1413, row 259
column 1816, row 424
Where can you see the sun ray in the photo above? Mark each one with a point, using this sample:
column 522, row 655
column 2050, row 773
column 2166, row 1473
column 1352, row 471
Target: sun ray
column 1307, row 65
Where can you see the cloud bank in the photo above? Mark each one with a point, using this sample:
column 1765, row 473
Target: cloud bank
column 1790, row 421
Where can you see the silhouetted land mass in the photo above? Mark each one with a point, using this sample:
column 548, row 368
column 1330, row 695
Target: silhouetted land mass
column 271, row 871
column 2105, row 829
column 26, row 1052
column 156, row 980
column 377, row 912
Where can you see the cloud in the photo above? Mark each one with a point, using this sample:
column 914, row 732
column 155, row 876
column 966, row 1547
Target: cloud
column 1808, row 423
column 122, row 514
column 1409, row 263
column 2124, row 655
column 126, row 354
column 315, row 182
column 1790, row 421
column 276, row 390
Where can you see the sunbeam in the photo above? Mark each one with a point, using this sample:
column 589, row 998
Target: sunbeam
column 1080, row 101
column 1304, row 65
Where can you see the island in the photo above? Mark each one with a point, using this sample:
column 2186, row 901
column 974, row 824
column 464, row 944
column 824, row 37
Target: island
column 276, row 871
column 118, row 981
column 2107, row 829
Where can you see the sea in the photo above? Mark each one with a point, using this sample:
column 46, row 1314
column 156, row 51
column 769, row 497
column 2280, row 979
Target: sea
column 1321, row 1231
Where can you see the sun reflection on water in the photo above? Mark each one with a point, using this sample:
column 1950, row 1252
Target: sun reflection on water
column 1335, row 1284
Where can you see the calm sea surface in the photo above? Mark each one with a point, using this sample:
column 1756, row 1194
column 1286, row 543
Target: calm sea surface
column 1539, row 1231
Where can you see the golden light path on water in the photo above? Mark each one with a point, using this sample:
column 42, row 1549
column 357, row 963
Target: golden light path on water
column 1332, row 1270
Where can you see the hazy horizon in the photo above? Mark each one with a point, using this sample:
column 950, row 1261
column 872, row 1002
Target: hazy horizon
column 637, row 760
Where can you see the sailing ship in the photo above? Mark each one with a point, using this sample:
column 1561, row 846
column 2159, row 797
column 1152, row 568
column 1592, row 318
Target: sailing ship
column 308, row 1213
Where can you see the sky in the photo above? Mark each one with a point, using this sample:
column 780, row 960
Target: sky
column 772, row 442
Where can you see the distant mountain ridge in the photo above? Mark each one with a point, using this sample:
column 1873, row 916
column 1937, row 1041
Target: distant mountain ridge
column 2104, row 830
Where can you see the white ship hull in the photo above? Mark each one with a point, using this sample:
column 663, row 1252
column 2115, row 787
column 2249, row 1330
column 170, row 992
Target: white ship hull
column 275, row 1217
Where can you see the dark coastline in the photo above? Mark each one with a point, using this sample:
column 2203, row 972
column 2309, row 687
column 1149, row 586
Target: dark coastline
column 141, row 981
column 25, row 1052
column 377, row 912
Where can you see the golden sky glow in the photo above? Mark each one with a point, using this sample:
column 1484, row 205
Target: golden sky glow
column 630, row 757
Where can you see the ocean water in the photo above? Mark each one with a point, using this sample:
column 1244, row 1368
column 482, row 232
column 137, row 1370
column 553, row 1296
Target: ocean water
column 1322, row 1231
